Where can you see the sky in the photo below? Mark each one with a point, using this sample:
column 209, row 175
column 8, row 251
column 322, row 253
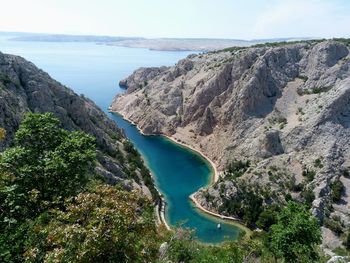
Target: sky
column 244, row 19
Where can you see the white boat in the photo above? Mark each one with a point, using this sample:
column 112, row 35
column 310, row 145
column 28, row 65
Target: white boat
column 219, row 226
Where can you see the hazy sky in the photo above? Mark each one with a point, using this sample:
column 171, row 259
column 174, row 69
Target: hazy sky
column 245, row 19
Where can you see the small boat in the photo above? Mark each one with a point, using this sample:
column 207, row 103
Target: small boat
column 219, row 226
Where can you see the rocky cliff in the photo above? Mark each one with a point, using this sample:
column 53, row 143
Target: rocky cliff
column 285, row 107
column 24, row 88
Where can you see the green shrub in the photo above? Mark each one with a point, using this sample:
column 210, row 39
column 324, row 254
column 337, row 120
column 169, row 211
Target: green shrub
column 236, row 168
column 268, row 217
column 295, row 236
column 318, row 163
column 346, row 242
column 334, row 224
column 309, row 174
column 337, row 189
column 303, row 77
column 46, row 166
column 308, row 195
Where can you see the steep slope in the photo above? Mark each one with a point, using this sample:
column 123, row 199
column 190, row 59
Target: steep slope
column 24, row 88
column 285, row 107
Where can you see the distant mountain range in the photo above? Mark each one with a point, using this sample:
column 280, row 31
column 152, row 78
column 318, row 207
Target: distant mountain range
column 163, row 44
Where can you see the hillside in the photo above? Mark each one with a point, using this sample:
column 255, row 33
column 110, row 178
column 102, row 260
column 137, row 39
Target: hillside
column 25, row 88
column 285, row 107
column 161, row 44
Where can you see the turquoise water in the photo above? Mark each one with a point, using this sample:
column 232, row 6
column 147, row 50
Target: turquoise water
column 94, row 70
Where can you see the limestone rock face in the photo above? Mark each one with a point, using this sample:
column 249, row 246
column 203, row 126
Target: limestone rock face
column 25, row 88
column 286, row 108
column 140, row 77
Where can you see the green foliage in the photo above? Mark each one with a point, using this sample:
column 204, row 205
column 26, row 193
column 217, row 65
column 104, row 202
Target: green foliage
column 318, row 163
column 228, row 253
column 268, row 217
column 247, row 205
column 337, row 189
column 183, row 248
column 309, row 174
column 345, row 41
column 135, row 160
column 334, row 224
column 4, row 78
column 346, row 242
column 46, row 165
column 296, row 235
column 236, row 168
column 285, row 43
column 316, row 90
column 103, row 224
column 304, row 78
column 308, row 195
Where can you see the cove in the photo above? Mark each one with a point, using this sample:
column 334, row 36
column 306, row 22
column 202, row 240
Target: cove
column 178, row 172
column 94, row 70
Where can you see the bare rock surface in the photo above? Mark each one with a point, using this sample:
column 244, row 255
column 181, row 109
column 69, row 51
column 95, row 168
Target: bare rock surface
column 284, row 107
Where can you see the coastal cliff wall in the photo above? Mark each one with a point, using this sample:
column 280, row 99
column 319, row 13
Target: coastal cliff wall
column 25, row 88
column 285, row 107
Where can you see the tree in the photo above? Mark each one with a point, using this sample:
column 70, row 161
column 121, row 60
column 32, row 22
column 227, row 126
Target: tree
column 103, row 224
column 267, row 217
column 295, row 235
column 46, row 165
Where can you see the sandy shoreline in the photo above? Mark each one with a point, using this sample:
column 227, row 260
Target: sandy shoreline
column 215, row 178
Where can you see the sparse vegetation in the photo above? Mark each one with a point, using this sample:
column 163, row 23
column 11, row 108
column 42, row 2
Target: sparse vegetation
column 236, row 168
column 308, row 195
column 337, row 189
column 303, row 77
column 135, row 160
column 318, row 163
column 345, row 41
column 346, row 242
column 300, row 111
column 5, row 79
column 309, row 174
column 334, row 224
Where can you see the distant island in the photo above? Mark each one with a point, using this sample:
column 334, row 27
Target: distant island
column 161, row 44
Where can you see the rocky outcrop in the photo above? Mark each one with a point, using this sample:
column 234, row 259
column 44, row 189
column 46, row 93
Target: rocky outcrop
column 140, row 77
column 284, row 107
column 25, row 88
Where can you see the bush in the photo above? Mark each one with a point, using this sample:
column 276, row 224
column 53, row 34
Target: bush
column 295, row 236
column 268, row 217
column 236, row 168
column 46, row 165
column 334, row 224
column 337, row 189
column 318, row 163
column 308, row 195
column 103, row 224
column 309, row 174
